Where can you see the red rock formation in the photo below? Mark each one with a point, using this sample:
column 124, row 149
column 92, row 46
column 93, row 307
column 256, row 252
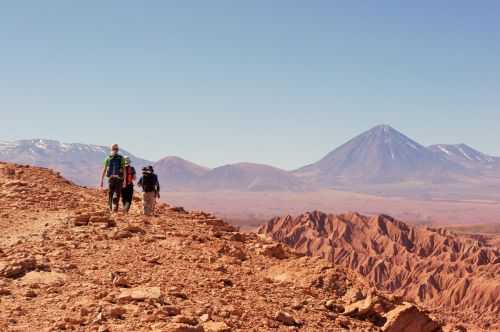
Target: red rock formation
column 456, row 275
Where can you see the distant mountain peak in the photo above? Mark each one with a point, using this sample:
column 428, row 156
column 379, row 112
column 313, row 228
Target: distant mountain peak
column 383, row 127
column 381, row 154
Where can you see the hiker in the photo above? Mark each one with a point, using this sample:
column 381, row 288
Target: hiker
column 114, row 169
column 128, row 188
column 151, row 189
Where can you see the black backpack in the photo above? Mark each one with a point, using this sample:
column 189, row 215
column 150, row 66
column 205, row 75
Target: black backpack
column 115, row 166
column 149, row 181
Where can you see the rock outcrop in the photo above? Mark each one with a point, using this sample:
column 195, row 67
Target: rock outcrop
column 455, row 275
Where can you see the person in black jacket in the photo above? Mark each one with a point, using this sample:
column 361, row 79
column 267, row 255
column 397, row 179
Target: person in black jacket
column 151, row 189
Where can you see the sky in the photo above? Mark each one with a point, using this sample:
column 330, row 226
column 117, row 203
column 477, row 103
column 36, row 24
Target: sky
column 275, row 82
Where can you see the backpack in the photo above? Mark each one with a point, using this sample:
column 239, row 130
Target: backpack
column 149, row 181
column 115, row 166
column 130, row 173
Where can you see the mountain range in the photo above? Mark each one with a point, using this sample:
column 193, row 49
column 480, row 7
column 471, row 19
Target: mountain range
column 379, row 156
column 81, row 163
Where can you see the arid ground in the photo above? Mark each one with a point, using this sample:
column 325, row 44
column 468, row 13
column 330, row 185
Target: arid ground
column 249, row 209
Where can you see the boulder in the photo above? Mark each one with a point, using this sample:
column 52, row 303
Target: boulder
column 360, row 308
column 171, row 310
column 17, row 268
column 274, row 251
column 352, row 295
column 186, row 320
column 4, row 291
column 409, row 318
column 179, row 327
column 121, row 234
column 81, row 220
column 140, row 294
column 370, row 309
column 115, row 312
column 120, row 281
column 286, row 319
column 333, row 306
column 216, row 327
column 43, row 278
column 233, row 251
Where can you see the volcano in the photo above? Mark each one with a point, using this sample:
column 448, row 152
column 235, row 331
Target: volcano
column 380, row 155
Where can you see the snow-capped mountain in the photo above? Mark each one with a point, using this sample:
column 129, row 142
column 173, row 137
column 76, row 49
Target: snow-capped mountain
column 379, row 155
column 81, row 163
column 464, row 155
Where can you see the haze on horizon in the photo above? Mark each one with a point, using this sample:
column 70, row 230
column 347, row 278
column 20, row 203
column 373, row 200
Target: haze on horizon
column 219, row 83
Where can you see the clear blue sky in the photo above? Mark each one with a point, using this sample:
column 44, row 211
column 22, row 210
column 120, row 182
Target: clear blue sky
column 277, row 82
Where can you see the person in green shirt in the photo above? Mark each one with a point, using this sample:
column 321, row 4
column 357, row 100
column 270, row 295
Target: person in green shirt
column 114, row 170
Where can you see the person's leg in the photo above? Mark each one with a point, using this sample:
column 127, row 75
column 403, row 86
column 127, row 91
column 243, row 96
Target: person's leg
column 124, row 198
column 110, row 194
column 145, row 202
column 153, row 203
column 118, row 193
column 115, row 193
column 130, row 196
column 127, row 195
column 148, row 203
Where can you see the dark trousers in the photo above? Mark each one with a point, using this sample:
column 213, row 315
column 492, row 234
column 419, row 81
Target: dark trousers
column 127, row 195
column 115, row 191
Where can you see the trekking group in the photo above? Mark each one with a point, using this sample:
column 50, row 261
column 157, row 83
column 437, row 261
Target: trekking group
column 121, row 177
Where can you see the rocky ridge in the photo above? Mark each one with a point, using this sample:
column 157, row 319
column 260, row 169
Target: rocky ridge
column 435, row 268
column 67, row 265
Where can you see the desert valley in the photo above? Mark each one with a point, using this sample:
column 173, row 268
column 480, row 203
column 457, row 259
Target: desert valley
column 419, row 253
column 66, row 264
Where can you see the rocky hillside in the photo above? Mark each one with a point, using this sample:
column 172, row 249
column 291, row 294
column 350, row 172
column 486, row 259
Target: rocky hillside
column 433, row 267
column 67, row 265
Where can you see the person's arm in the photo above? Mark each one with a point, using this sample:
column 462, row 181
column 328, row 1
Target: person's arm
column 140, row 182
column 124, row 172
column 157, row 187
column 104, row 170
